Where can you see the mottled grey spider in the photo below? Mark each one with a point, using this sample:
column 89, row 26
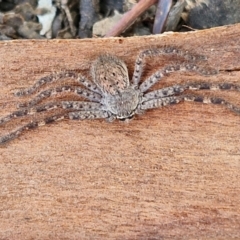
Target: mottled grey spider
column 111, row 95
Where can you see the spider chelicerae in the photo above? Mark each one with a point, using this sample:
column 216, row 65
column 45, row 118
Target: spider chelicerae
column 111, row 95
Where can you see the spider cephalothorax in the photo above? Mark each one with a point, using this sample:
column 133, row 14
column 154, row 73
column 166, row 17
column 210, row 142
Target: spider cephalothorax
column 111, row 95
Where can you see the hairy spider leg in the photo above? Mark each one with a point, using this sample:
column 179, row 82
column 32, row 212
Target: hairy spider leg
column 165, row 50
column 95, row 97
column 177, row 89
column 56, row 77
column 76, row 105
column 79, row 115
column 157, row 76
column 161, row 102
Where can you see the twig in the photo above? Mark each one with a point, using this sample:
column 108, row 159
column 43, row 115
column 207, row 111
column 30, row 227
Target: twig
column 163, row 9
column 129, row 17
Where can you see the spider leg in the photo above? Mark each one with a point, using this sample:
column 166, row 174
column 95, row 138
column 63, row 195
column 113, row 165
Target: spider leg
column 170, row 91
column 212, row 86
column 32, row 125
column 164, row 92
column 56, row 77
column 161, row 102
column 93, row 114
column 88, row 84
column 212, row 100
column 89, row 115
column 76, row 105
column 95, row 97
column 153, row 79
column 139, row 64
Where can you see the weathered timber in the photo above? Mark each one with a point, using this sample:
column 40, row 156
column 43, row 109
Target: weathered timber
column 172, row 173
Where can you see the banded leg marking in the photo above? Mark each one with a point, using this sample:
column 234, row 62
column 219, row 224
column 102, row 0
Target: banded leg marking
column 50, row 92
column 161, row 102
column 56, row 77
column 76, row 105
column 139, row 64
column 32, row 125
column 156, row 77
column 176, row 89
column 79, row 115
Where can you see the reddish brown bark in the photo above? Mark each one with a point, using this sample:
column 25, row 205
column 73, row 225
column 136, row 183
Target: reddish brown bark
column 170, row 173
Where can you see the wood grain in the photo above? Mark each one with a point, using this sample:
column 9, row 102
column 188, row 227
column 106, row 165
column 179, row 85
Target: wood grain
column 172, row 173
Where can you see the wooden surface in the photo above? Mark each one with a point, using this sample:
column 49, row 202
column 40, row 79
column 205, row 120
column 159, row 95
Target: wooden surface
column 172, row 173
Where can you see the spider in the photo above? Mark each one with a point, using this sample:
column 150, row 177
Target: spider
column 112, row 95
